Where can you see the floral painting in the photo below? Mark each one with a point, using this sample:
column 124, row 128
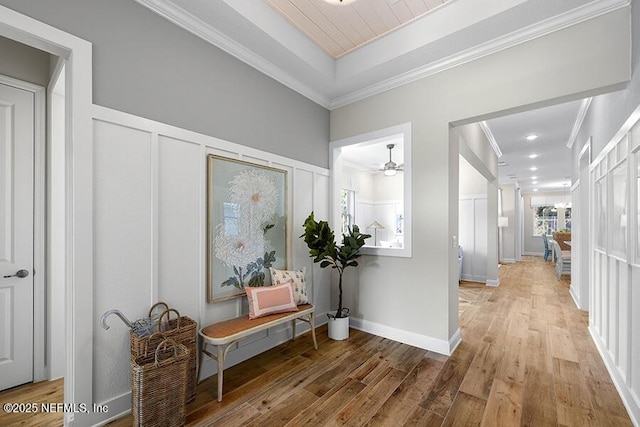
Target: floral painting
column 246, row 225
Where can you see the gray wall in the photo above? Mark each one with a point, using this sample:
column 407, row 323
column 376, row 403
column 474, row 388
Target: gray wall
column 144, row 65
column 27, row 64
column 608, row 112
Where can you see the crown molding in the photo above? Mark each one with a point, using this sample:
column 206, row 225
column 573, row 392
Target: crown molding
column 492, row 140
column 582, row 113
column 187, row 21
column 560, row 22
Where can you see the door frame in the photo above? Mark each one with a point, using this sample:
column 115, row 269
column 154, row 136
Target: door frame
column 39, row 218
column 79, row 321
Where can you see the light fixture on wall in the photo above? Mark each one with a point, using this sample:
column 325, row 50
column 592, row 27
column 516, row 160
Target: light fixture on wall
column 340, row 2
column 376, row 226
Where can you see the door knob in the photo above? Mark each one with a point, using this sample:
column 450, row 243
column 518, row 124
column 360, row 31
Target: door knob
column 20, row 273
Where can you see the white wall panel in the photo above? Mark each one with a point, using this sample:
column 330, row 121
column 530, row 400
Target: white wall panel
column 179, row 189
column 615, row 319
column 150, row 203
column 122, row 245
column 634, row 333
column 623, row 319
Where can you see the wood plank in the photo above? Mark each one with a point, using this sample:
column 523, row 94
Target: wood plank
column 361, row 410
column 446, row 386
column 504, row 406
column 479, row 378
column 561, row 344
column 466, row 410
column 330, row 403
column 284, row 412
column 406, row 397
column 539, row 399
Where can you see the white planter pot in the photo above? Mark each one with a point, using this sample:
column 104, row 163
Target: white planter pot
column 339, row 328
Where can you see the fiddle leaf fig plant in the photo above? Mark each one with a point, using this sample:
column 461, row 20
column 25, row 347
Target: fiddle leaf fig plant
column 323, row 249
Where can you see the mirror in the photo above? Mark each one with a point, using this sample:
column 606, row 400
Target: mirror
column 372, row 188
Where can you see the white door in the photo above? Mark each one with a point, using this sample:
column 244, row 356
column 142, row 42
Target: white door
column 16, row 236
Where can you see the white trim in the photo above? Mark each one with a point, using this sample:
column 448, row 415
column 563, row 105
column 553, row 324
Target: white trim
column 557, row 23
column 365, row 139
column 493, row 283
column 201, row 29
column 630, row 402
column 424, row 342
column 492, row 140
column 574, row 296
column 582, row 113
column 79, row 142
column 508, row 261
column 39, row 222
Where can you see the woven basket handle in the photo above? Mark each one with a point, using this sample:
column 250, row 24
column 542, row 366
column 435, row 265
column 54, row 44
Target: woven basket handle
column 164, row 345
column 168, row 314
column 158, row 304
column 150, row 338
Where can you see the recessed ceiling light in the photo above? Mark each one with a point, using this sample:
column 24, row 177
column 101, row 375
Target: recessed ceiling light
column 535, row 189
column 534, row 182
column 533, row 156
column 533, row 168
column 532, row 137
column 534, row 177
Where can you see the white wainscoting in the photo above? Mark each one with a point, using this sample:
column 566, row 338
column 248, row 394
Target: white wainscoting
column 614, row 317
column 150, row 229
column 472, row 236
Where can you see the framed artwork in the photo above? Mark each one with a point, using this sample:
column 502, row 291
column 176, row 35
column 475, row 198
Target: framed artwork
column 246, row 225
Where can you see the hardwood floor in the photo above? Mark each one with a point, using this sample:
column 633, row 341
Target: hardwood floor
column 526, row 359
column 34, row 396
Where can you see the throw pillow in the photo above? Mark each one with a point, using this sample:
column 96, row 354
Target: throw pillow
column 270, row 299
column 296, row 277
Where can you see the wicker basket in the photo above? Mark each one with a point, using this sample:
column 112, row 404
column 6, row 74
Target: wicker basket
column 159, row 381
column 183, row 330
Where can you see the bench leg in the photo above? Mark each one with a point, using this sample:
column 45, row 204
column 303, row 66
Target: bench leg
column 312, row 322
column 220, row 371
column 200, row 359
column 293, row 326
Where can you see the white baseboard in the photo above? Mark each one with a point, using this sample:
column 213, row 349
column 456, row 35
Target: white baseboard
column 540, row 254
column 574, row 297
column 630, row 401
column 493, row 283
column 424, row 342
column 116, row 408
column 472, row 278
column 508, row 261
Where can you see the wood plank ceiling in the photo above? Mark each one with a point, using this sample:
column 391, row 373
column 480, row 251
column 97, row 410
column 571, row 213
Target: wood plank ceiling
column 339, row 29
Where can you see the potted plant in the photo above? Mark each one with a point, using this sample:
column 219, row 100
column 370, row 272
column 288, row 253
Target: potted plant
column 323, row 248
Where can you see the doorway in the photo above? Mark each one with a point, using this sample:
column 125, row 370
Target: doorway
column 78, row 143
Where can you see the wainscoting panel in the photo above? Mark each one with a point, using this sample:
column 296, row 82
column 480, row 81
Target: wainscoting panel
column 614, row 320
column 123, row 244
column 472, row 236
column 150, row 234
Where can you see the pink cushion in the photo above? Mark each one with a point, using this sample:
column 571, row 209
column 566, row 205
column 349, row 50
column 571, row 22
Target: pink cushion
column 270, row 299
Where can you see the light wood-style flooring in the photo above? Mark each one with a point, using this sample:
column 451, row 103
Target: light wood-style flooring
column 526, row 359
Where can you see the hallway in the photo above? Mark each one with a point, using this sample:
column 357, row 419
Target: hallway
column 531, row 360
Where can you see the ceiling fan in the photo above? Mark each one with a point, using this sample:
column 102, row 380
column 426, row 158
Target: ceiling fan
column 391, row 168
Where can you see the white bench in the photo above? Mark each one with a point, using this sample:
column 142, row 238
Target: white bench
column 224, row 334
